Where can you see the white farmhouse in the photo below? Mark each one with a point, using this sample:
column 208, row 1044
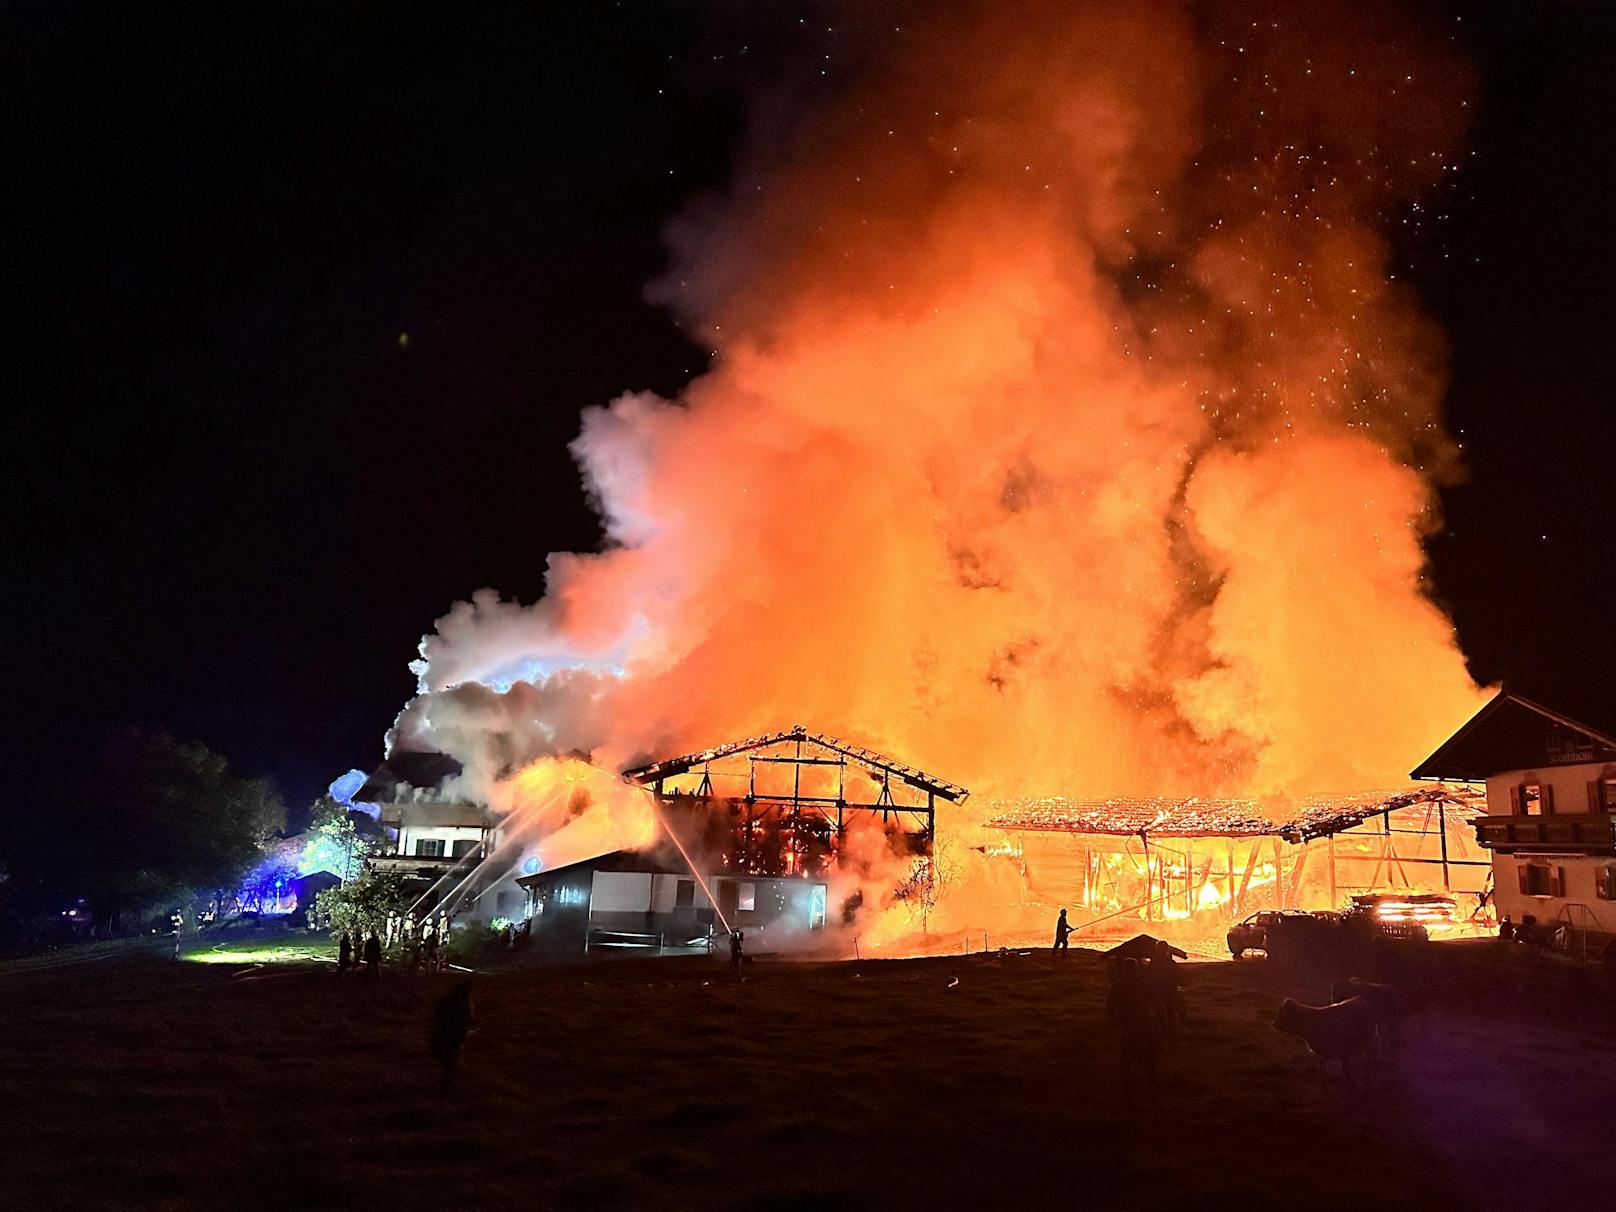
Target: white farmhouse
column 1551, row 808
column 440, row 842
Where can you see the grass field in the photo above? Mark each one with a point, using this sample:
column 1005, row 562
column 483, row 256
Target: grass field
column 258, row 947
column 137, row 1081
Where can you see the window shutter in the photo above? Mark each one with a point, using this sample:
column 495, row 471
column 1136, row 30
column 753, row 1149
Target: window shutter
column 1593, row 796
column 1546, row 804
column 1516, row 800
column 1556, row 881
column 1525, row 872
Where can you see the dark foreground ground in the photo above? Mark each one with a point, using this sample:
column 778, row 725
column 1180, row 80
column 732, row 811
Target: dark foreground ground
column 130, row 1080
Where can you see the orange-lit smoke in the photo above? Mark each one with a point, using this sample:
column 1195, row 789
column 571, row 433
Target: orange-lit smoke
column 569, row 810
column 1070, row 431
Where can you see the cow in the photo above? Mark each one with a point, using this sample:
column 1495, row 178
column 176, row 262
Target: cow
column 1343, row 1032
column 1391, row 1004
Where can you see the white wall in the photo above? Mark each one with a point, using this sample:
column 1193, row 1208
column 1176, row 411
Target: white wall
column 621, row 892
column 410, row 836
column 1580, row 871
column 1570, row 785
column 665, row 889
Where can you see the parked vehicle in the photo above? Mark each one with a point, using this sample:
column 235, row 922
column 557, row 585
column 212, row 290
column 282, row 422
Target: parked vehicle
column 1252, row 934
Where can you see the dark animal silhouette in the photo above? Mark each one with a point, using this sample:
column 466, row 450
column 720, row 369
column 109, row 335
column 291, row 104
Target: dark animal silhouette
column 1391, row 1004
column 1344, row 1032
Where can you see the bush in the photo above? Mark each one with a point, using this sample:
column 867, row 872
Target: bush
column 474, row 941
column 363, row 905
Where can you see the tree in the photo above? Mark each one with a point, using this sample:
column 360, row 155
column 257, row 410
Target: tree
column 325, row 810
column 363, row 904
column 339, row 839
column 335, row 846
column 154, row 817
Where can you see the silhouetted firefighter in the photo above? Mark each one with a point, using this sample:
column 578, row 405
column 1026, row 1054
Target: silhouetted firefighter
column 452, row 1021
column 735, row 956
column 1062, row 929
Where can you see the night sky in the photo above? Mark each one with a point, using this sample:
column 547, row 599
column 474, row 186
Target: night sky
column 306, row 301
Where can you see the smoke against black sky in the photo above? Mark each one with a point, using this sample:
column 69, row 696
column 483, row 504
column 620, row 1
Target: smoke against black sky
column 1070, row 429
column 243, row 498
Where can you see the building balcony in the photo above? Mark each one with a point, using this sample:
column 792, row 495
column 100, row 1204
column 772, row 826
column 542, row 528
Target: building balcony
column 424, row 864
column 1588, row 833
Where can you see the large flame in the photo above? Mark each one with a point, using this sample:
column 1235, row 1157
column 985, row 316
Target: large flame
column 1069, row 429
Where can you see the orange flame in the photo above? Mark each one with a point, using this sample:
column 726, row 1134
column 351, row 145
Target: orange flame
column 1069, row 430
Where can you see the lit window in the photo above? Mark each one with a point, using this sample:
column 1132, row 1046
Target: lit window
column 1605, row 882
column 1531, row 799
column 746, row 896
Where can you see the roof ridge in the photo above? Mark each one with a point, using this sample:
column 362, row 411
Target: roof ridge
column 913, row 775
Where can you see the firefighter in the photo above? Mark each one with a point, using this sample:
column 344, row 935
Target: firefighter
column 1062, row 929
column 736, row 946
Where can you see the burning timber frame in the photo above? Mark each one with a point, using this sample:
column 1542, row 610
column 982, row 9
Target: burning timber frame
column 1161, row 858
column 812, row 801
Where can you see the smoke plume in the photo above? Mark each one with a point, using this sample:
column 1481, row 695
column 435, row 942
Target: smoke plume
column 1070, row 430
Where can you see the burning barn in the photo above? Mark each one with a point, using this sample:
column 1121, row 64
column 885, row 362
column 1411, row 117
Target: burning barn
column 1206, row 862
column 781, row 804
column 752, row 832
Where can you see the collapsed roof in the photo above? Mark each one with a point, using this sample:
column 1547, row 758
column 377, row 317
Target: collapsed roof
column 1308, row 816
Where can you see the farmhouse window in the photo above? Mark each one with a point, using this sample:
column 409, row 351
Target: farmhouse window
column 429, row 847
column 684, row 894
column 745, row 895
column 1531, row 799
column 1605, row 882
column 464, row 846
column 1602, row 795
column 1540, row 879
